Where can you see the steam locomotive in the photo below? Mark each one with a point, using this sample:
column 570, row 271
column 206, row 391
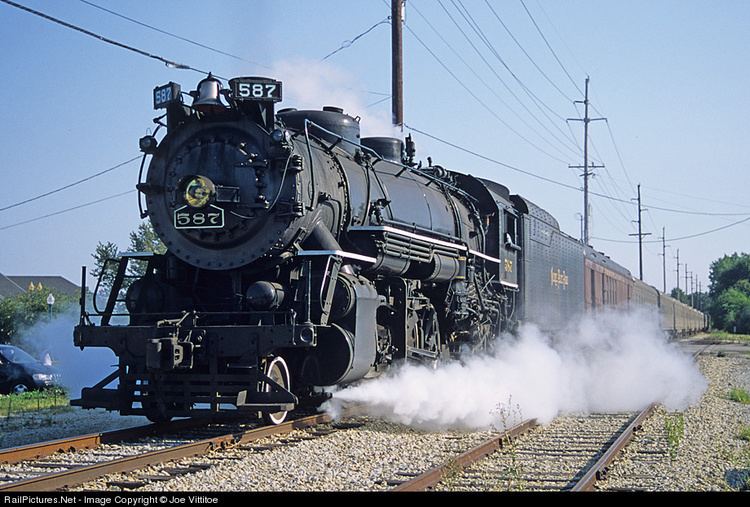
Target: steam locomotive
column 301, row 256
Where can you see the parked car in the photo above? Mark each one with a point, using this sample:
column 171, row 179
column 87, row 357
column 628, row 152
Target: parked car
column 20, row 372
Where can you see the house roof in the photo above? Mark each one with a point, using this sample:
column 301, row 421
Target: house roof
column 11, row 285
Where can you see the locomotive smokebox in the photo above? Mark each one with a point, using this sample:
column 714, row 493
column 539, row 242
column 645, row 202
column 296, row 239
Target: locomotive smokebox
column 388, row 148
column 332, row 119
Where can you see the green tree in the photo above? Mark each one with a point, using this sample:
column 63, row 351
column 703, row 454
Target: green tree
column 103, row 252
column 679, row 295
column 143, row 239
column 21, row 312
column 730, row 292
column 728, row 271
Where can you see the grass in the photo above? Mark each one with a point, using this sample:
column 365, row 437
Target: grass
column 31, row 401
column 744, row 433
column 723, row 336
column 739, row 395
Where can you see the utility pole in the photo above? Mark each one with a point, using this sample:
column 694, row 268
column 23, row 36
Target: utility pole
column 664, row 258
column 580, row 219
column 686, row 284
column 585, row 166
column 692, row 290
column 397, row 62
column 640, row 233
column 678, row 269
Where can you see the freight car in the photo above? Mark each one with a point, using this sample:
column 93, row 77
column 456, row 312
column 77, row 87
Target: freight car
column 301, row 256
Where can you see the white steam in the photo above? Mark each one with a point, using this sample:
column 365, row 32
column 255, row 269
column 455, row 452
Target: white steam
column 612, row 362
column 78, row 368
column 311, row 84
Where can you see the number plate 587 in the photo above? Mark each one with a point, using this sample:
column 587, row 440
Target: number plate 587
column 211, row 217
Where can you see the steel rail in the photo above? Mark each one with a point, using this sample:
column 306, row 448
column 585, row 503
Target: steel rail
column 433, row 476
column 598, row 470
column 83, row 474
column 12, row 455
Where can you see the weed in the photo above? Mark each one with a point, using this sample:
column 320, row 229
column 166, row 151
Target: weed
column 675, row 427
column 739, row 395
column 509, row 415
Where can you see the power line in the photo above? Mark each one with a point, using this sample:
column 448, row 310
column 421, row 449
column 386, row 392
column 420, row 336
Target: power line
column 526, row 53
column 508, row 88
column 690, row 196
column 481, row 102
column 168, row 63
column 204, row 46
column 474, row 25
column 95, row 175
column 67, row 210
column 550, row 48
column 560, row 183
column 691, row 236
column 349, row 43
column 170, row 34
column 559, row 36
column 490, row 88
column 492, row 160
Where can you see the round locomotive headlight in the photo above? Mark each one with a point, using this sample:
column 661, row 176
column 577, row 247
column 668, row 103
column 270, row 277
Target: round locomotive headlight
column 199, row 191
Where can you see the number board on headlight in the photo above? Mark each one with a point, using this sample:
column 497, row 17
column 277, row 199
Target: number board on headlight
column 257, row 89
column 166, row 95
column 210, row 217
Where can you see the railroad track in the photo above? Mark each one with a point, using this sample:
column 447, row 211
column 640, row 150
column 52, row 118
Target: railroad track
column 571, row 454
column 555, row 457
column 40, row 450
column 503, row 462
column 60, row 471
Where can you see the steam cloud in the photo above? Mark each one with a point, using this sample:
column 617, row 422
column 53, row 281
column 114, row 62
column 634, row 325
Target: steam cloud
column 78, row 368
column 310, row 84
column 612, row 362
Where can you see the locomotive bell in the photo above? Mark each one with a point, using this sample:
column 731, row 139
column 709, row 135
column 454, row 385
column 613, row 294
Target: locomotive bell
column 208, row 98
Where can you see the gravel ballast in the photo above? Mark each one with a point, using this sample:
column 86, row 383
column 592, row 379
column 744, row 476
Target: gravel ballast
column 374, row 456
column 706, row 455
column 709, row 456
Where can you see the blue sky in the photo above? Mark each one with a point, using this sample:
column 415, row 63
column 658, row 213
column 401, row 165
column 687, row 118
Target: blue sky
column 670, row 76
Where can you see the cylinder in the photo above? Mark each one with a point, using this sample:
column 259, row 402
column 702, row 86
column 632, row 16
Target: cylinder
column 265, row 295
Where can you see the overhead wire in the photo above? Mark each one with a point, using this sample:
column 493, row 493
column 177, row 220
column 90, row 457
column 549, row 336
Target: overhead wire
column 469, row 20
column 349, row 43
column 481, row 80
column 539, row 30
column 48, row 215
column 464, row 11
column 481, row 102
column 533, row 62
column 560, row 183
column 680, row 238
column 173, row 35
column 69, row 185
column 169, row 63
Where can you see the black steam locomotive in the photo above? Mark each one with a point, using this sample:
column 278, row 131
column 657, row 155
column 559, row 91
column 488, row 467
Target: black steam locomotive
column 300, row 256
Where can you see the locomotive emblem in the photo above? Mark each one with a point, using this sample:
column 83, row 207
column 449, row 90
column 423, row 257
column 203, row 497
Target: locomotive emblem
column 558, row 278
